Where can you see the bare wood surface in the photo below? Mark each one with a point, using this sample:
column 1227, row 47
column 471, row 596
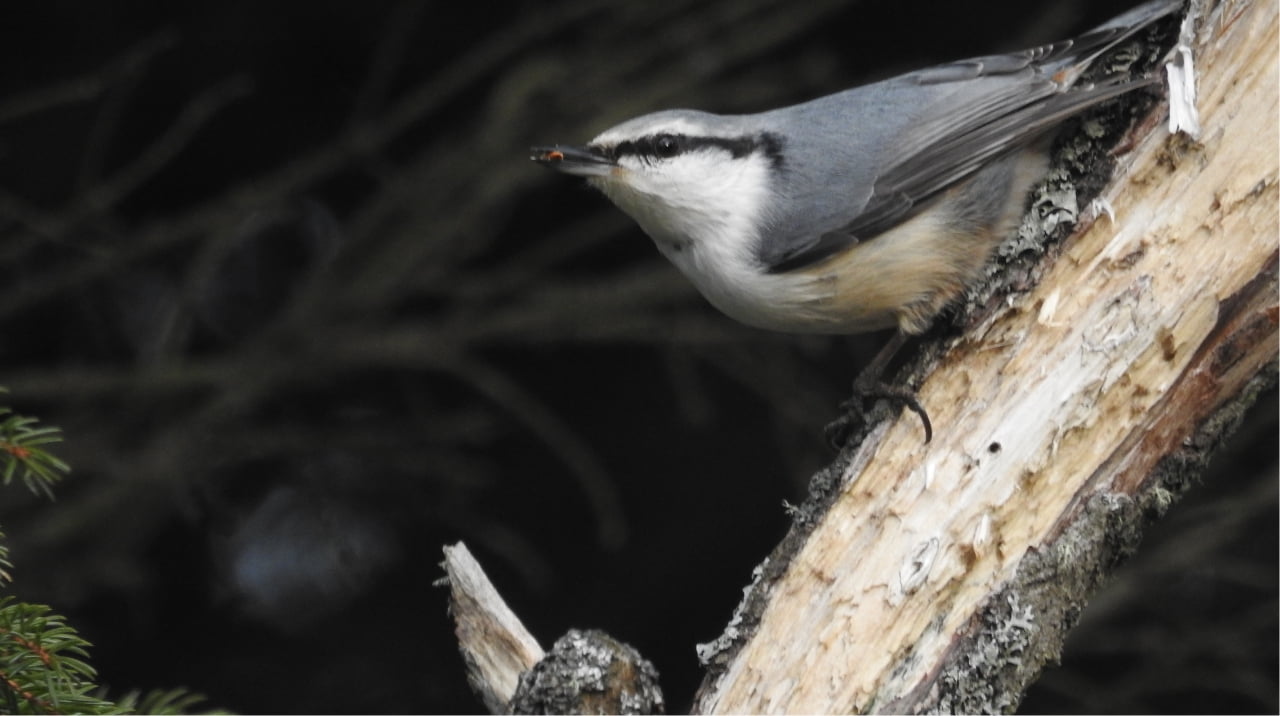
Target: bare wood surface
column 585, row 671
column 1049, row 414
column 494, row 643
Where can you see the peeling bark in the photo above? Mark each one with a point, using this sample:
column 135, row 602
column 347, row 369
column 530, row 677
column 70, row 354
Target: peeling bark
column 942, row 577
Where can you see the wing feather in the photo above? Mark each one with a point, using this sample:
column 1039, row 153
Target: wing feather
column 980, row 109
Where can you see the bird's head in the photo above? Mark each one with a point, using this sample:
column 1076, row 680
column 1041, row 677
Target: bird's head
column 684, row 176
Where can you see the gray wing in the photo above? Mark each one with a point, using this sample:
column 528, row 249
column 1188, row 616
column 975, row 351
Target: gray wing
column 978, row 110
column 957, row 153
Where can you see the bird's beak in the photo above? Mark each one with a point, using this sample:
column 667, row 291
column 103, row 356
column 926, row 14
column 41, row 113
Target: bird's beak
column 579, row 161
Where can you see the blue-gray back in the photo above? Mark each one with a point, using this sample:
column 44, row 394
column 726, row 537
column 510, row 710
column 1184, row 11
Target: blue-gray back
column 860, row 161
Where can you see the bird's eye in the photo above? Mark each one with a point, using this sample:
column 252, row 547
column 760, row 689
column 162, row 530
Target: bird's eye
column 666, row 145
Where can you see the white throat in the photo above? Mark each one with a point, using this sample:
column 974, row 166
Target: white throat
column 704, row 213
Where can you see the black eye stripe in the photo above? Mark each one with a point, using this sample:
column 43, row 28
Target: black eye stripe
column 662, row 146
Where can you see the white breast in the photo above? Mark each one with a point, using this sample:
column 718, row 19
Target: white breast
column 702, row 211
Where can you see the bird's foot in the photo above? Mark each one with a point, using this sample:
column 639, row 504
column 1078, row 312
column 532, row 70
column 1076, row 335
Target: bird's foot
column 857, row 409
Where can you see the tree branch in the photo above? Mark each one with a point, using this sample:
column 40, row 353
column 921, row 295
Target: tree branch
column 943, row 576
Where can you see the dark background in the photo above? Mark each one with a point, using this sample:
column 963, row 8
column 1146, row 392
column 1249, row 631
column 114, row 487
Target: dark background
column 306, row 312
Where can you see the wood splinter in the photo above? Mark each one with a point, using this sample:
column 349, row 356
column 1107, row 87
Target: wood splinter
column 586, row 671
column 495, row 646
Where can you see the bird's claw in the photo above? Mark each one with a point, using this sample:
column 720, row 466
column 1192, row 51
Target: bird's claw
column 854, row 411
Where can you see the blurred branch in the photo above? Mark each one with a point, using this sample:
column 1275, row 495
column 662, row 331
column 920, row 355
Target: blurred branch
column 161, row 153
column 563, row 440
column 89, row 86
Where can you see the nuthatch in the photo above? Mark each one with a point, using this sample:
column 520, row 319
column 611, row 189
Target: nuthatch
column 866, row 209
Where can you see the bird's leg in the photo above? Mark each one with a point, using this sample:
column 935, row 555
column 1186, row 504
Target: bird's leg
column 869, row 387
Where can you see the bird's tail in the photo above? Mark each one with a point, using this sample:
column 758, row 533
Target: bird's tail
column 1074, row 56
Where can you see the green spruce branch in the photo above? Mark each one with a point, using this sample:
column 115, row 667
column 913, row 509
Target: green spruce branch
column 44, row 667
column 22, row 452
